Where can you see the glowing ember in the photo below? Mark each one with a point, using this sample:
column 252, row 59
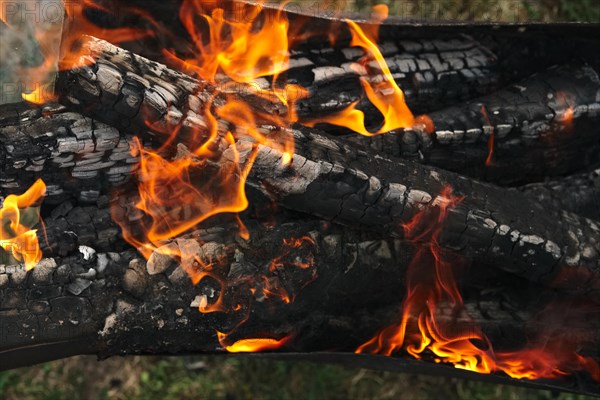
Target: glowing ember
column 289, row 245
column 17, row 235
column 490, row 157
column 428, row 289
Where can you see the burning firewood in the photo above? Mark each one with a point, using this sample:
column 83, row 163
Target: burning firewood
column 378, row 193
column 92, row 290
column 222, row 204
column 385, row 193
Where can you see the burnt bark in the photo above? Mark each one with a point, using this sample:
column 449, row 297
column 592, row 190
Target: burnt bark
column 534, row 135
column 432, row 74
column 77, row 157
column 336, row 182
column 546, row 125
column 110, row 303
column 359, row 189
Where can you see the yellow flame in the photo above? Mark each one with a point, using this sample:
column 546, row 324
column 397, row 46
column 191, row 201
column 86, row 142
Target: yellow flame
column 16, row 237
column 385, row 95
column 252, row 345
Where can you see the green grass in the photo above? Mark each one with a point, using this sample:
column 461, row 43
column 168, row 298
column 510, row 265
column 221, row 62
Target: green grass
column 239, row 378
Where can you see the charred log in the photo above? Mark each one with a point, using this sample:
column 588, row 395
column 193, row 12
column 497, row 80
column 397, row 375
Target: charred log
column 376, row 193
column 533, row 136
column 431, row 73
column 77, row 157
column 110, row 303
column 546, row 125
column 355, row 188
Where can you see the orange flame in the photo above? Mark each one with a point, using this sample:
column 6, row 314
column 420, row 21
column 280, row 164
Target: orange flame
column 16, row 235
column 175, row 202
column 385, row 95
column 565, row 118
column 208, row 175
column 253, row 344
column 289, row 245
column 40, row 95
column 468, row 348
column 71, row 51
column 247, row 54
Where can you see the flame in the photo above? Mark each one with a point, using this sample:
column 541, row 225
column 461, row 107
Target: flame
column 252, row 344
column 464, row 346
column 71, row 51
column 208, row 175
column 16, row 235
column 175, row 203
column 289, row 245
column 3, row 15
column 40, row 95
column 247, row 54
column 565, row 118
column 385, row 95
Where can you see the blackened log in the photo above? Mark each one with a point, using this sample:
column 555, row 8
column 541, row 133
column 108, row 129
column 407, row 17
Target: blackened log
column 533, row 240
column 547, row 125
column 51, row 142
column 76, row 156
column 490, row 225
column 431, row 73
column 518, row 49
column 126, row 90
column 116, row 304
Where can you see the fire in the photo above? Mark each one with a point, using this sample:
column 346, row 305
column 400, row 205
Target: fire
column 289, row 245
column 253, row 344
column 385, row 95
column 565, row 117
column 207, row 177
column 431, row 283
column 40, row 95
column 246, row 54
column 171, row 196
column 17, row 235
column 75, row 12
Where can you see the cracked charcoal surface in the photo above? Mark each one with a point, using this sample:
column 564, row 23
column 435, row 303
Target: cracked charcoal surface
column 368, row 191
column 532, row 139
column 112, row 317
column 379, row 193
